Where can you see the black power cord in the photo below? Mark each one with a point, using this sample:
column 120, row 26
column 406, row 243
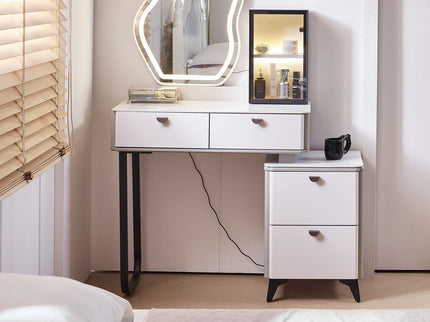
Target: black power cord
column 216, row 214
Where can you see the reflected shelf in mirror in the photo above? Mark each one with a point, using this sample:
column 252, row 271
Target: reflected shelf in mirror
column 276, row 57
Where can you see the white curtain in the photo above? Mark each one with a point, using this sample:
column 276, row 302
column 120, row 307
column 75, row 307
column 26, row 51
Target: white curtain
column 195, row 27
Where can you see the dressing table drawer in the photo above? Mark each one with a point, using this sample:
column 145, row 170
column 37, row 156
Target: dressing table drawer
column 162, row 130
column 313, row 198
column 257, row 131
column 331, row 254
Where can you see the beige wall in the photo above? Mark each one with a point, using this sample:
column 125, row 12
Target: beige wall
column 117, row 66
column 78, row 166
column 73, row 176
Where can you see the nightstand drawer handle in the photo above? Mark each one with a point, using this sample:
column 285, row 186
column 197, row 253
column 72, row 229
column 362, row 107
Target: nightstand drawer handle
column 162, row 119
column 314, row 178
column 314, row 233
column 257, row 121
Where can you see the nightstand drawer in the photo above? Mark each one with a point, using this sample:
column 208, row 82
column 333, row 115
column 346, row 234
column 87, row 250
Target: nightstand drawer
column 162, row 130
column 313, row 198
column 295, row 254
column 257, row 131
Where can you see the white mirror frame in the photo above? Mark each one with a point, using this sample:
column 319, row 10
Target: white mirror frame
column 184, row 79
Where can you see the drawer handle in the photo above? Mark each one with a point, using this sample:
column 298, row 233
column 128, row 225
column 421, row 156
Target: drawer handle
column 162, row 119
column 314, row 178
column 314, row 233
column 257, row 121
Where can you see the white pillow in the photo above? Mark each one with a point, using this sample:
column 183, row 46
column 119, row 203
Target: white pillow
column 49, row 298
column 212, row 54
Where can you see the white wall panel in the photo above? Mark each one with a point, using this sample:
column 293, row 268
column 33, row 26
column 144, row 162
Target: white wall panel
column 242, row 212
column 46, row 226
column 180, row 232
column 20, row 231
column 403, row 236
column 27, row 228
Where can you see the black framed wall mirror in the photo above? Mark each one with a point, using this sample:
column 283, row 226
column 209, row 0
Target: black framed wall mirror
column 278, row 57
column 189, row 42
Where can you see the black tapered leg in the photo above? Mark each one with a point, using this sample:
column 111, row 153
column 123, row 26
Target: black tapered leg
column 127, row 286
column 353, row 286
column 273, row 286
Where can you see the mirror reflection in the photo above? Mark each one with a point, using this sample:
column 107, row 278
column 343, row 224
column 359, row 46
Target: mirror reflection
column 189, row 41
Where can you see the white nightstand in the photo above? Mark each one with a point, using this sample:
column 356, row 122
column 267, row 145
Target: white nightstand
column 311, row 219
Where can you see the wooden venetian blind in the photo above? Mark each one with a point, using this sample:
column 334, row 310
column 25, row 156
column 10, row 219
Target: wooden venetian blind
column 33, row 89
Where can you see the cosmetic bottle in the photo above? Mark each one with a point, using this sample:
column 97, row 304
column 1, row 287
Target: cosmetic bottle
column 283, row 83
column 296, row 85
column 260, row 86
column 273, row 74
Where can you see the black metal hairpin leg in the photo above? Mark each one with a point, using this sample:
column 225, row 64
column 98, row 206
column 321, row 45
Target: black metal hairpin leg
column 353, row 286
column 127, row 286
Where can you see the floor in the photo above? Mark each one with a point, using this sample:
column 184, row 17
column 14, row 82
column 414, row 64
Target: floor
column 233, row 291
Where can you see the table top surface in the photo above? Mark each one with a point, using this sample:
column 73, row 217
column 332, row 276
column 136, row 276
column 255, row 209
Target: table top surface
column 188, row 106
column 316, row 159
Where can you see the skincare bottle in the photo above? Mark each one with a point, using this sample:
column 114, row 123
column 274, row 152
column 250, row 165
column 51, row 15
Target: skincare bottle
column 296, row 85
column 260, row 86
column 283, row 84
column 273, row 74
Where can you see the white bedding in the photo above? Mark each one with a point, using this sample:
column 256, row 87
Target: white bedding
column 141, row 315
column 48, row 298
column 281, row 315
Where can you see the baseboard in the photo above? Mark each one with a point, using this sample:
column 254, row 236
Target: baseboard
column 402, row 271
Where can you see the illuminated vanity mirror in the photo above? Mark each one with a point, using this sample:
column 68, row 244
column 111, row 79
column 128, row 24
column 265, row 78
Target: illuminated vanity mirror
column 189, row 42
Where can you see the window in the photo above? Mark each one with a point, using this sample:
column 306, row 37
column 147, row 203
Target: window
column 34, row 89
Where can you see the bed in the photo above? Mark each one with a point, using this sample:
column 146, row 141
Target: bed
column 48, row 298
column 25, row 298
column 283, row 315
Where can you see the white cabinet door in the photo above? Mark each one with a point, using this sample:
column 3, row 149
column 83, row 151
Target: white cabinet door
column 313, row 198
column 295, row 254
column 162, row 130
column 257, row 131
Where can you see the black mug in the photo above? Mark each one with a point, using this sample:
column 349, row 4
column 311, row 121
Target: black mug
column 336, row 148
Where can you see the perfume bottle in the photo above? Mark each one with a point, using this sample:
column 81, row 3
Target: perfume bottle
column 283, row 83
column 296, row 85
column 260, row 86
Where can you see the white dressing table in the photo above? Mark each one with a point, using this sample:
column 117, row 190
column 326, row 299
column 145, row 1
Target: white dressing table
column 326, row 228
column 196, row 126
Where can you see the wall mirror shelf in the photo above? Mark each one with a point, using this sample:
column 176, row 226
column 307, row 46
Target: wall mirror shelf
column 189, row 42
column 278, row 56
